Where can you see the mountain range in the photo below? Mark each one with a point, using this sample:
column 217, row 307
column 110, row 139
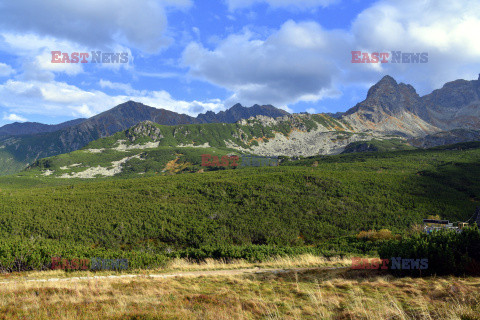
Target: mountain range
column 23, row 143
column 398, row 109
column 450, row 114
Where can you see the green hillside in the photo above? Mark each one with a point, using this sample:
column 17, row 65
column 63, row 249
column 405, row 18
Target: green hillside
column 17, row 152
column 148, row 148
column 9, row 164
column 308, row 204
column 375, row 145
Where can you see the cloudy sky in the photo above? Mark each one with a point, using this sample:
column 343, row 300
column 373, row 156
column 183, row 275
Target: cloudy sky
column 191, row 56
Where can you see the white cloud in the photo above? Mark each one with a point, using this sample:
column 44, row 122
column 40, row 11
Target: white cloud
column 36, row 53
column 448, row 31
column 296, row 4
column 160, row 75
column 291, row 65
column 302, row 61
column 14, row 117
column 96, row 24
column 5, row 70
column 125, row 87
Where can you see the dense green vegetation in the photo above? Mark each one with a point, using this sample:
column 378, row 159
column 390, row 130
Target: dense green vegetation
column 447, row 252
column 378, row 146
column 17, row 151
column 310, row 203
column 150, row 162
column 9, row 164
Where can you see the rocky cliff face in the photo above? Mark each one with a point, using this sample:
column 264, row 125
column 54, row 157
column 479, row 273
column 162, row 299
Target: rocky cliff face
column 390, row 108
column 455, row 106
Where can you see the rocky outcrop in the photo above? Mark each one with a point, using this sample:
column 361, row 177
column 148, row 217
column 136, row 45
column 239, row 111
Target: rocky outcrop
column 392, row 108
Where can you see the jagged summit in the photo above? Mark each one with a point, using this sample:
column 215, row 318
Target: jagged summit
column 238, row 112
column 77, row 134
column 390, row 107
column 388, row 96
column 387, row 83
column 397, row 108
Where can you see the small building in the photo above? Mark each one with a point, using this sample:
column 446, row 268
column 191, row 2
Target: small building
column 431, row 225
column 476, row 217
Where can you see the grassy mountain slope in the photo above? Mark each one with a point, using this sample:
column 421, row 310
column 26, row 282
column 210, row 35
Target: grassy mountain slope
column 299, row 204
column 148, row 148
column 378, row 145
column 31, row 145
column 8, row 163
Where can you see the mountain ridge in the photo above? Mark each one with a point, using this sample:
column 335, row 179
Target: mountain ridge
column 390, row 109
column 23, row 128
column 24, row 149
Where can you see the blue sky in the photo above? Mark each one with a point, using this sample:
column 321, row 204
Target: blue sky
column 191, row 56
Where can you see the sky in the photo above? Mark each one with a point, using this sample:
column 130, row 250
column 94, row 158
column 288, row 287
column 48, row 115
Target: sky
column 192, row 56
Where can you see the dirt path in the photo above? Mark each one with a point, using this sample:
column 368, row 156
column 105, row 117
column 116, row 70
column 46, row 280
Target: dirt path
column 177, row 274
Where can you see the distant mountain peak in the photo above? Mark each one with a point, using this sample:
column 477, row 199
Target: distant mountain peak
column 389, row 96
column 239, row 112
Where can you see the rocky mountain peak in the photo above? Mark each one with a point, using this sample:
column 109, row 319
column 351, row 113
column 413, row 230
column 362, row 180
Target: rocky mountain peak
column 387, row 97
column 385, row 85
column 390, row 107
column 237, row 106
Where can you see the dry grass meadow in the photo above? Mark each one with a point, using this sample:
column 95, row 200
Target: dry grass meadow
column 313, row 294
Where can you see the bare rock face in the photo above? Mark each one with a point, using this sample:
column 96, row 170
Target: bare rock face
column 390, row 108
column 447, row 115
column 455, row 106
column 144, row 129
